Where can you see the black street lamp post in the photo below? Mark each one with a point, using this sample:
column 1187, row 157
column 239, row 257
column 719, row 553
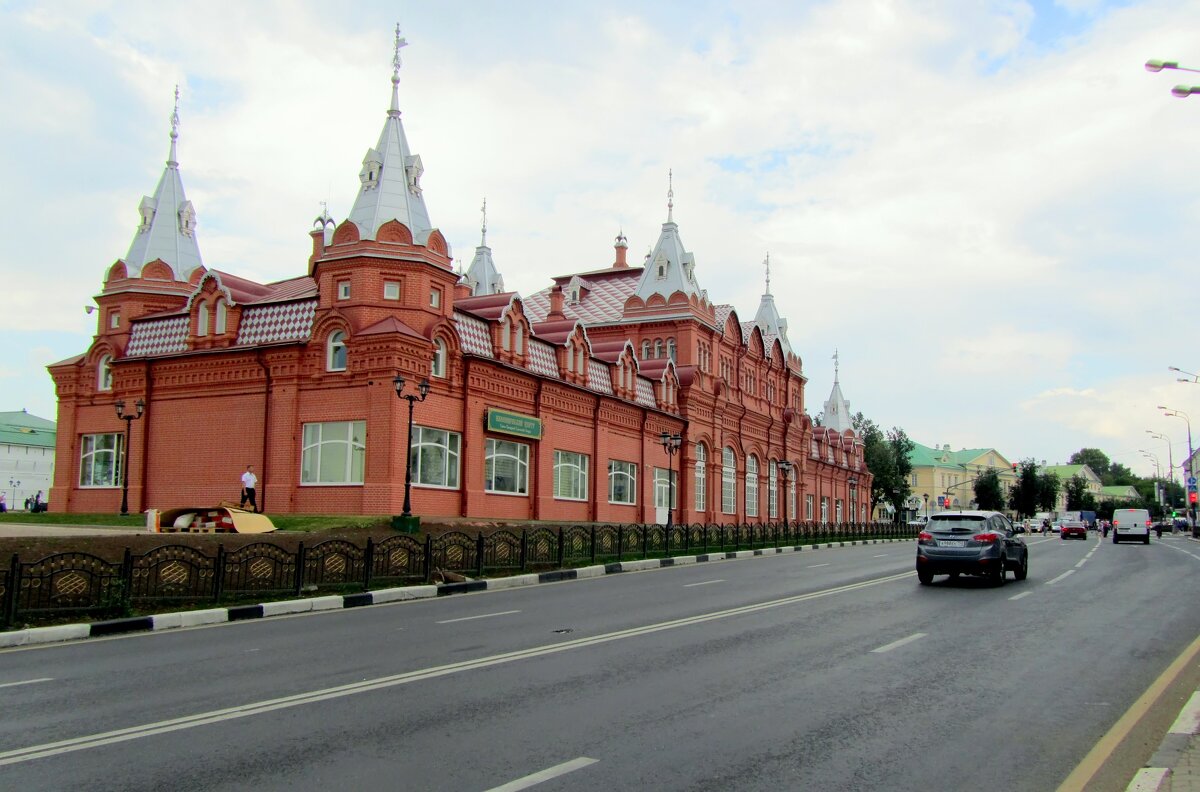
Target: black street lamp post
column 785, row 468
column 15, row 486
column 671, row 444
column 128, row 418
column 412, row 399
column 853, row 486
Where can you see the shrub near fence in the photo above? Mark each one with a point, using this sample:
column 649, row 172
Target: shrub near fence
column 80, row 584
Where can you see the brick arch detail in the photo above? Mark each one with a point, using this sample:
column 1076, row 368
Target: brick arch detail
column 393, row 232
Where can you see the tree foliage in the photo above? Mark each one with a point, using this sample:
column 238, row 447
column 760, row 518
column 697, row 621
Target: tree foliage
column 1094, row 458
column 1077, row 490
column 988, row 493
column 1047, row 490
column 887, row 459
column 1023, row 497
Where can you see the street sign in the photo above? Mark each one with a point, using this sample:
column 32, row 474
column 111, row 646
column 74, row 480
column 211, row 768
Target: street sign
column 1191, row 481
column 941, row 500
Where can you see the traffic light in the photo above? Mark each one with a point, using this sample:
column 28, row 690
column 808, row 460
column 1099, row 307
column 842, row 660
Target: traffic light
column 1191, row 497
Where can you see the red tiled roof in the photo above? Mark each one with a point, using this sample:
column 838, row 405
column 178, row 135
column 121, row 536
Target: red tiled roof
column 391, row 325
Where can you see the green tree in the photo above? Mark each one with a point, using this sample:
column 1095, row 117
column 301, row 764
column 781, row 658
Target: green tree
column 1047, row 490
column 1077, row 489
column 1119, row 476
column 1023, row 497
column 1094, row 458
column 887, row 459
column 988, row 493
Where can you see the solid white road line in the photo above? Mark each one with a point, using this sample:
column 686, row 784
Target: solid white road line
column 1188, row 721
column 814, row 566
column 1052, row 581
column 367, row 685
column 881, row 555
column 898, row 644
column 1022, row 595
column 704, row 583
column 1181, row 550
column 545, row 775
column 27, row 682
column 473, row 618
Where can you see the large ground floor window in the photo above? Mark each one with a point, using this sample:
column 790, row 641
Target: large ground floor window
column 622, row 482
column 434, row 457
column 100, row 460
column 570, row 475
column 666, row 489
column 334, row 453
column 506, row 467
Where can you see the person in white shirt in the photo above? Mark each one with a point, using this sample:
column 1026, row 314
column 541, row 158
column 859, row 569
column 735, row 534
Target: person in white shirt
column 249, row 482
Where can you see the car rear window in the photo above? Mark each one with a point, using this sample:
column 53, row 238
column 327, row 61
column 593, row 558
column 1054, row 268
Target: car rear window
column 965, row 523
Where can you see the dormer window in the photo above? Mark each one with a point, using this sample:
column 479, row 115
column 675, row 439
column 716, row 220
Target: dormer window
column 660, row 266
column 202, row 321
column 104, row 378
column 146, row 209
column 371, row 170
column 336, row 357
column 222, row 317
column 412, row 173
column 438, row 369
column 187, row 219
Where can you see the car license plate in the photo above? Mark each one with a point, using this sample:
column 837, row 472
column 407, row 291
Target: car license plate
column 952, row 543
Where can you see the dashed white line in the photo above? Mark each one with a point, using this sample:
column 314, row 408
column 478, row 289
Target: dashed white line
column 898, row 644
column 533, row 779
column 1082, row 561
column 881, row 555
column 1022, row 595
column 1052, row 581
column 27, row 682
column 480, row 616
column 704, row 583
column 814, row 566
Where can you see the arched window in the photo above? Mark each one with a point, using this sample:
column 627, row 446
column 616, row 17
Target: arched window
column 506, row 335
column 658, row 348
column 752, row 486
column 570, row 357
column 337, row 351
column 645, row 350
column 772, row 490
column 202, row 320
column 519, row 346
column 222, row 317
column 104, row 374
column 728, row 481
column 701, row 478
column 438, row 369
column 671, row 348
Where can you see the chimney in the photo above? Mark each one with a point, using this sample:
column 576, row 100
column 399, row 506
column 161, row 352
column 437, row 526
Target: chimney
column 556, row 304
column 622, row 248
column 318, row 239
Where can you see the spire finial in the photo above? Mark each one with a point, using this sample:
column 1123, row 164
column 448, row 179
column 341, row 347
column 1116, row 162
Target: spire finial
column 670, row 195
column 171, row 160
column 483, row 225
column 400, row 42
column 767, row 262
column 835, row 365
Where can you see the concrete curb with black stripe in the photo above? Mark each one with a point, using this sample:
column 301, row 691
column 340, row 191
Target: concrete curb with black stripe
column 196, row 618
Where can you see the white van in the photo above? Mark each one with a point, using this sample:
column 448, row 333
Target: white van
column 1131, row 524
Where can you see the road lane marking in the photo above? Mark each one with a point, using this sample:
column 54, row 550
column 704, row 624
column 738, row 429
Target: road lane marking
column 27, row 682
column 1082, row 561
column 704, row 582
column 898, row 644
column 1052, row 581
column 881, row 555
column 1181, row 550
column 1020, row 596
column 533, row 779
column 85, row 742
column 814, row 566
column 480, row 616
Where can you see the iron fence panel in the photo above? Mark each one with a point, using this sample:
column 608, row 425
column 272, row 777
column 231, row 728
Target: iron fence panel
column 541, row 547
column 502, row 550
column 577, row 543
column 259, row 568
column 632, row 540
column 173, row 572
column 334, row 562
column 607, row 537
column 398, row 559
column 68, row 583
column 454, row 552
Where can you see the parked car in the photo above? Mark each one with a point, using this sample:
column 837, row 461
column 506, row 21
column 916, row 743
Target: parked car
column 981, row 543
column 1131, row 525
column 1073, row 528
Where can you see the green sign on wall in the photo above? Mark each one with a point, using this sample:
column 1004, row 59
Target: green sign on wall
column 514, row 424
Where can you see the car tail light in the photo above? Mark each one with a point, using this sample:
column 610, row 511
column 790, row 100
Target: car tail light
column 987, row 538
column 1147, row 523
column 1116, row 523
column 924, row 538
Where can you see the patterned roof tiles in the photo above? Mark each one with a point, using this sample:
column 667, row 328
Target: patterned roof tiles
column 599, row 379
column 276, row 322
column 474, row 335
column 604, row 301
column 541, row 359
column 645, row 393
column 158, row 337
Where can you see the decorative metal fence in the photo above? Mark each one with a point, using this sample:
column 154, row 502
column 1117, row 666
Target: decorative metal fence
column 79, row 584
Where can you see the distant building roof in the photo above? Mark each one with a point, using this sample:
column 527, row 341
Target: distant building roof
column 21, row 428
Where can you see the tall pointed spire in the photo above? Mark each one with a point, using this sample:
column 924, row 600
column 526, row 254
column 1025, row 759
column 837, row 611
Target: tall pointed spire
column 767, row 318
column 670, row 195
column 767, row 264
column 669, row 268
column 168, row 227
column 391, row 174
column 483, row 224
column 482, row 276
column 837, row 409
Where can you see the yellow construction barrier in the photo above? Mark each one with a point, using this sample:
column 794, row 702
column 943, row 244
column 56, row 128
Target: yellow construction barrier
column 220, row 519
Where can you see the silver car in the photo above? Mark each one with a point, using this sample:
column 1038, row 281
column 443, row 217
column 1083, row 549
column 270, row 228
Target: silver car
column 981, row 543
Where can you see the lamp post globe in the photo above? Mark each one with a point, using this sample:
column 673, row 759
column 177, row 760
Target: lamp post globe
column 671, row 444
column 412, row 399
column 128, row 418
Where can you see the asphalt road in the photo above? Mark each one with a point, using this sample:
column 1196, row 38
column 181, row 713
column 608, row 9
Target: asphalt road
column 823, row 670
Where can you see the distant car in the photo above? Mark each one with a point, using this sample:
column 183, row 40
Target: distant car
column 1073, row 528
column 1131, row 525
column 980, row 543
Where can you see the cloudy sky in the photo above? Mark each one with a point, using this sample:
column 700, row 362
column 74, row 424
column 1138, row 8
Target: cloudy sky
column 989, row 209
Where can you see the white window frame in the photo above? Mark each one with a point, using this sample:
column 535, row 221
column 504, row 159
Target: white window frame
column 435, row 298
column 838, row 510
column 425, row 440
column 391, row 290
column 104, row 375
column 570, row 475
column 751, row 486
column 201, row 320
column 502, row 451
column 222, row 320
column 808, row 508
column 313, row 444
column 621, row 471
column 701, row 478
column 772, row 490
column 438, row 366
column 824, row 509
column 728, row 481
column 343, row 290
column 666, row 485
column 89, row 453
column 336, row 344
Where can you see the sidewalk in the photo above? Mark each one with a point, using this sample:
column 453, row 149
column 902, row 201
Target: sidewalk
column 1175, row 766
column 42, row 529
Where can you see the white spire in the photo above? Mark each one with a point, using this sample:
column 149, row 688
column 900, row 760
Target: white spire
column 168, row 227
column 483, row 224
column 669, row 268
column 670, row 195
column 768, row 319
column 837, row 409
column 391, row 175
column 482, row 276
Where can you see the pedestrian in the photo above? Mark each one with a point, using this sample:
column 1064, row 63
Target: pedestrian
column 3, row 503
column 37, row 503
column 249, row 483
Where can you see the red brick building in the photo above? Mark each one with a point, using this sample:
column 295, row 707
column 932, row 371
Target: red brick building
column 550, row 407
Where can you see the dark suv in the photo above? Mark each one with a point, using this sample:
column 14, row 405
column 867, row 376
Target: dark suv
column 981, row 543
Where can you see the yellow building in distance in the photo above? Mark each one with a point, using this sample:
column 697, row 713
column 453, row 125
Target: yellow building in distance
column 942, row 479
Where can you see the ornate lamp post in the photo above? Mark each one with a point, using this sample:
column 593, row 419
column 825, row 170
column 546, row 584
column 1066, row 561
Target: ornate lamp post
column 785, row 468
column 1180, row 414
column 671, row 444
column 925, row 497
column 15, row 486
column 853, row 482
column 412, row 399
column 140, row 406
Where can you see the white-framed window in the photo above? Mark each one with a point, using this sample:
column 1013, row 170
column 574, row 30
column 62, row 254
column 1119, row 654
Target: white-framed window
column 343, row 290
column 814, row 447
column 435, row 298
column 728, row 481
column 336, row 359
column 334, row 452
column 622, row 482
column 808, row 507
column 391, row 290
column 434, row 457
column 658, row 348
column 114, row 320
column 104, row 374
column 666, row 493
column 752, row 486
column 791, row 513
column 222, row 317
column 202, row 321
column 438, row 369
column 506, row 467
column 645, row 350
column 912, row 480
column 772, row 490
column 824, row 510
column 838, row 510
column 100, row 460
column 570, row 475
column 701, row 478
column 671, row 348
